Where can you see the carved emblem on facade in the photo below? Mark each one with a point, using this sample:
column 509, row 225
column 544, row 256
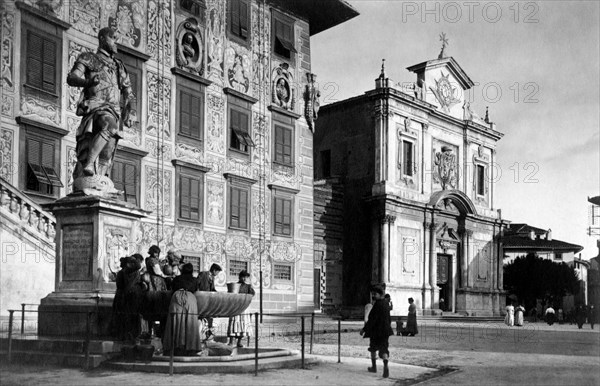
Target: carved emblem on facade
column 282, row 90
column 117, row 244
column 446, row 93
column 129, row 22
column 190, row 47
column 445, row 168
column 238, row 69
column 311, row 100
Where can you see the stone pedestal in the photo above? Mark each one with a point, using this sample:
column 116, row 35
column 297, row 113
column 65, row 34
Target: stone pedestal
column 92, row 234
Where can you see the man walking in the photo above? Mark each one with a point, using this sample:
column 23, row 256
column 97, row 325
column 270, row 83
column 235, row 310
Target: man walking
column 378, row 330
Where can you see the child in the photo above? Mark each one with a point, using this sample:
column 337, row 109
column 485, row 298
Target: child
column 239, row 325
column 378, row 330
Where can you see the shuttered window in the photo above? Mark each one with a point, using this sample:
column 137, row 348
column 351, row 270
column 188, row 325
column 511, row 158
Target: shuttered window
column 282, row 213
column 41, row 62
column 190, row 114
column 283, row 145
column 283, row 35
column 407, row 158
column 190, row 198
column 239, row 18
column 240, row 137
column 42, row 175
column 125, row 176
column 238, row 207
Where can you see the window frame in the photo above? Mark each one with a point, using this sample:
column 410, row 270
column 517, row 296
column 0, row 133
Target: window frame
column 186, row 87
column 407, row 135
column 278, row 17
column 480, row 180
column 47, row 32
column 239, row 106
column 128, row 158
column 235, row 276
column 290, row 200
column 291, row 266
column 285, row 194
column 237, row 37
column 284, row 123
column 196, row 172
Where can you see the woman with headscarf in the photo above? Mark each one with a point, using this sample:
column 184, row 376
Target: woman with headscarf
column 411, row 323
column 126, row 304
column 519, row 313
column 182, row 328
column 509, row 319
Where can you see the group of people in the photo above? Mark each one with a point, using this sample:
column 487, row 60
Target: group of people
column 514, row 316
column 378, row 327
column 150, row 290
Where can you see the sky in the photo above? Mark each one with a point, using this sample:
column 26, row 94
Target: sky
column 537, row 66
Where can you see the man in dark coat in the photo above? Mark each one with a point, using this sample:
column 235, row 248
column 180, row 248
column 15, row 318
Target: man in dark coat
column 206, row 282
column 378, row 329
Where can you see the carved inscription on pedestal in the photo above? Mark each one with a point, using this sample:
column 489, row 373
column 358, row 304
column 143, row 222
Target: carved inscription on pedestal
column 77, row 243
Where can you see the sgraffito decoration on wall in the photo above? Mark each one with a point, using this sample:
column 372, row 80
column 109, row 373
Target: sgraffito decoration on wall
column 237, row 63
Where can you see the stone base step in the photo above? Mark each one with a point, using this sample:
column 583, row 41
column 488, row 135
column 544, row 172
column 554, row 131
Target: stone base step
column 244, row 366
column 54, row 359
column 57, row 345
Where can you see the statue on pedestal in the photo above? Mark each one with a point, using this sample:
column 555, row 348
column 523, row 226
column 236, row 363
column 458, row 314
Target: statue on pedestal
column 105, row 105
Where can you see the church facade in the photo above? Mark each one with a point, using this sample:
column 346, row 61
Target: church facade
column 220, row 156
column 416, row 169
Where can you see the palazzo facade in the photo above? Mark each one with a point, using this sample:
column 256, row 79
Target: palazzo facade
column 221, row 154
column 416, row 167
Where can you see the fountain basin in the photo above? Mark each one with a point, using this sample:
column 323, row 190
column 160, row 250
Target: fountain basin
column 221, row 304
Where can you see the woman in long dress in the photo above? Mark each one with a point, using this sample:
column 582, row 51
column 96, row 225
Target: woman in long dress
column 239, row 325
column 519, row 312
column 509, row 319
column 125, row 322
column 411, row 323
column 182, row 330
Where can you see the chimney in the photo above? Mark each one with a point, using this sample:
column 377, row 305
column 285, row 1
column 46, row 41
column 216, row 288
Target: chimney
column 549, row 235
column 532, row 234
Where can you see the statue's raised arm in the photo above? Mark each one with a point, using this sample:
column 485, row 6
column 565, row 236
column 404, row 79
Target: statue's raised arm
column 105, row 105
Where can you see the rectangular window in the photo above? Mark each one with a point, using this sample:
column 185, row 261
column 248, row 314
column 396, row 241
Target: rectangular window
column 407, row 158
column 239, row 122
column 558, row 256
column 238, row 207
column 42, row 175
column 282, row 216
column 191, row 107
column 480, row 180
column 239, row 18
column 196, row 261
column 190, row 197
column 41, row 65
column 235, row 267
column 195, row 7
column 283, row 35
column 124, row 175
column 283, row 145
column 282, row 272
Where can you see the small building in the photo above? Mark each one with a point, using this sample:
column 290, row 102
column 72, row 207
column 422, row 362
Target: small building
column 414, row 164
column 519, row 239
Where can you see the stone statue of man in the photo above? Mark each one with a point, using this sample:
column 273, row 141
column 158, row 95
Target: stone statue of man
column 106, row 104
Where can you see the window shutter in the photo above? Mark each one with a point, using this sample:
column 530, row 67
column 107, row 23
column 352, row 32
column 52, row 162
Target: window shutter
column 116, row 176
column 243, row 19
column 34, row 151
column 235, row 208
column 185, row 198
column 235, row 16
column 129, row 182
column 195, row 117
column 195, row 199
column 184, row 112
column 243, row 209
column 47, row 154
column 49, row 67
column 35, row 50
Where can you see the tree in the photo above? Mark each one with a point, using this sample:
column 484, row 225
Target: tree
column 531, row 277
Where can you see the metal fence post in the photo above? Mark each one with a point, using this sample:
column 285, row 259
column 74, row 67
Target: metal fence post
column 87, row 340
column 22, row 318
column 312, row 332
column 10, row 325
column 339, row 339
column 302, row 333
column 256, row 344
column 172, row 317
